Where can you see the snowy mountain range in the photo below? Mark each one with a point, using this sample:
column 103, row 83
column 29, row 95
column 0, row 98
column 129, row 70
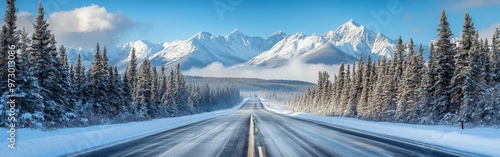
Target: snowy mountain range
column 341, row 45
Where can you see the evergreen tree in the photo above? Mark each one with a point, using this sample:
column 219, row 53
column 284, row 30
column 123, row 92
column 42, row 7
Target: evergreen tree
column 181, row 93
column 155, row 94
column 356, row 89
column 64, row 57
column 9, row 37
column 495, row 58
column 60, row 81
column 487, row 61
column 169, row 95
column 408, row 87
column 398, row 64
column 79, row 77
column 105, row 67
column 142, row 93
column 363, row 107
column 339, row 87
column 44, row 69
column 474, row 83
column 131, row 71
column 378, row 94
column 462, row 60
column 445, row 67
column 162, row 89
column 398, row 60
column 96, row 83
column 432, row 74
column 421, row 94
column 344, row 100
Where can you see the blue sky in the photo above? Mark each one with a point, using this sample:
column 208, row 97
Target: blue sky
column 165, row 21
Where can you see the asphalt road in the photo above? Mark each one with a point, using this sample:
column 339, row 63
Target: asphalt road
column 228, row 135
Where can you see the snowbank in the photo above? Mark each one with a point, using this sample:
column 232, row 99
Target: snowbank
column 476, row 140
column 31, row 142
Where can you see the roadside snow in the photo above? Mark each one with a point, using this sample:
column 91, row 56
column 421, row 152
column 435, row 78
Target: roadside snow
column 484, row 141
column 31, row 142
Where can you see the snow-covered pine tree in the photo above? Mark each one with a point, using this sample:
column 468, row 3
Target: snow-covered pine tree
column 389, row 92
column 180, row 90
column 155, row 94
column 462, row 61
column 162, row 89
column 142, row 93
column 8, row 36
column 398, row 60
column 44, row 68
column 319, row 88
column 485, row 49
column 27, row 87
column 131, row 71
column 356, row 89
column 64, row 57
column 398, row 67
column 445, row 66
column 474, row 83
column 406, row 104
column 127, row 93
column 339, row 88
column 345, row 96
column 79, row 78
column 432, row 74
column 168, row 96
column 378, row 94
column 111, row 74
column 495, row 58
column 116, row 75
column 105, row 67
column 363, row 106
column 61, row 83
column 98, row 95
column 421, row 94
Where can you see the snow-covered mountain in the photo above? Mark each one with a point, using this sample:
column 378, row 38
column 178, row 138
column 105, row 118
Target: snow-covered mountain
column 119, row 56
column 204, row 48
column 341, row 45
column 290, row 47
column 354, row 38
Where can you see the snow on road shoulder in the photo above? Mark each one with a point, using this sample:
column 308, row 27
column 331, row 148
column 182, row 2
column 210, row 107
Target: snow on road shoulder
column 34, row 142
column 476, row 140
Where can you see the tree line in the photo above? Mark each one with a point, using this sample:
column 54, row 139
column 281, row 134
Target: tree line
column 52, row 93
column 459, row 82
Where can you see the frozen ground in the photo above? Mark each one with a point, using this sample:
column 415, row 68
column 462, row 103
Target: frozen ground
column 478, row 140
column 31, row 142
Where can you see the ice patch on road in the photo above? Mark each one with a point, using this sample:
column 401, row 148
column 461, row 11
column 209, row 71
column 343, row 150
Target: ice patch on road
column 484, row 141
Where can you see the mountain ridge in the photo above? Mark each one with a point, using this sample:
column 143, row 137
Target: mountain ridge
column 341, row 45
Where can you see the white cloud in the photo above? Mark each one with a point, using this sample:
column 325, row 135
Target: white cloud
column 465, row 4
column 295, row 70
column 85, row 26
column 25, row 19
column 487, row 33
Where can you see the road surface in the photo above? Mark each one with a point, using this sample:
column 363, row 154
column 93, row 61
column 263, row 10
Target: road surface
column 276, row 135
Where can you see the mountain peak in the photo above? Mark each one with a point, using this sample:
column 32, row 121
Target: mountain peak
column 202, row 35
column 236, row 32
column 279, row 32
column 299, row 34
column 351, row 23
